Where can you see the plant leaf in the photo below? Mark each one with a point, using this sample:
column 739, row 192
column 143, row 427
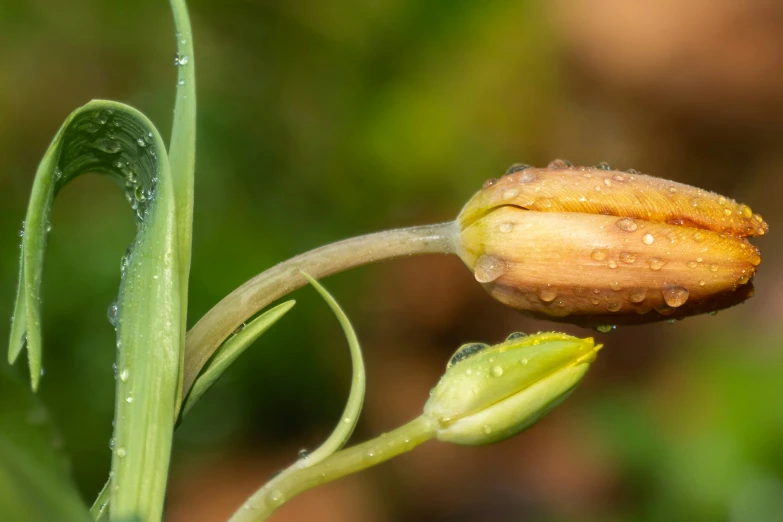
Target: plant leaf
column 182, row 155
column 114, row 139
column 353, row 406
column 34, row 481
column 231, row 350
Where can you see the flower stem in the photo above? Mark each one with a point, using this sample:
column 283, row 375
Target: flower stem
column 244, row 302
column 301, row 477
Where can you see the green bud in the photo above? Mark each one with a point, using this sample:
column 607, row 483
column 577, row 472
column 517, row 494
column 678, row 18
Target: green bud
column 490, row 393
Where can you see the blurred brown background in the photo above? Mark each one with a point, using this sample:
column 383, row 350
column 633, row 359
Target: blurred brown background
column 322, row 120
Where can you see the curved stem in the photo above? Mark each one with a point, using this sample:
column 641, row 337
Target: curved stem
column 301, row 477
column 244, row 302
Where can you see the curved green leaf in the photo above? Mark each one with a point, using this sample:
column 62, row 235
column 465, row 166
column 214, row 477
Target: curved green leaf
column 116, row 140
column 353, row 406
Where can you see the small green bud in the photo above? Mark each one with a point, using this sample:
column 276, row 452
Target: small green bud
column 490, row 393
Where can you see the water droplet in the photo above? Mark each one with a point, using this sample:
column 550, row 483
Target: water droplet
column 675, row 295
column 129, row 399
column 58, row 174
column 465, row 351
column 486, row 429
column 276, row 498
column 347, row 420
column 618, row 177
column 627, row 257
column 141, row 142
column 692, row 264
column 632, row 171
column 516, row 167
column 741, row 281
column 488, row 268
column 615, row 285
column 627, row 224
column 648, row 239
column 721, row 201
column 598, row 254
column 614, row 306
column 612, row 263
column 510, row 194
column 523, row 361
column 516, row 335
column 656, row 263
column 506, row 227
column 121, row 453
column 181, row 82
column 695, row 202
column 547, row 294
column 559, row 164
column 303, row 454
column 124, row 374
column 603, row 166
column 605, row 328
column 113, row 313
column 702, row 282
column 111, row 443
column 489, row 183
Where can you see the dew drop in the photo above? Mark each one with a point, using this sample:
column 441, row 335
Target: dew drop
column 627, row 224
column 616, row 286
column 523, row 361
column 547, row 294
column 487, row 430
column 516, row 167
column 58, row 174
column 648, row 239
column 303, row 454
column 181, row 82
column 713, row 267
column 497, row 371
column 489, row 183
column 614, row 306
column 598, row 254
column 121, row 452
column 111, row 443
column 655, row 263
column 702, row 282
column 488, row 268
column 347, row 420
column 603, row 166
column 506, row 227
column 627, row 257
column 129, row 399
column 465, row 351
column 692, row 264
column 675, row 295
column 510, row 194
column 124, row 374
column 141, row 142
column 612, row 263
column 559, row 164
column 276, row 498
column 605, row 328
column 516, row 335
column 113, row 313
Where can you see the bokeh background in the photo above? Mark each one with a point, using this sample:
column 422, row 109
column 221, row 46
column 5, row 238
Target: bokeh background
column 322, row 120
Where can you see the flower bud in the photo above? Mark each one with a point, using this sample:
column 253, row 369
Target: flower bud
column 490, row 393
column 593, row 246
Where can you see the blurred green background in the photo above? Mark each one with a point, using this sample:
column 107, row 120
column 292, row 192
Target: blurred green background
column 322, row 120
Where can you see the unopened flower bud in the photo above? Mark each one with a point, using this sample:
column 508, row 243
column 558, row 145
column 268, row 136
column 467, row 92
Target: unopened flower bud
column 593, row 246
column 490, row 393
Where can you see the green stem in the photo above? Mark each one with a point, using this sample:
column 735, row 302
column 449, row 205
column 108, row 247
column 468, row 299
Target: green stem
column 244, row 302
column 301, row 477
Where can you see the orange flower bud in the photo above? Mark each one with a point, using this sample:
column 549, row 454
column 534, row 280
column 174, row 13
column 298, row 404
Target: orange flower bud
column 593, row 246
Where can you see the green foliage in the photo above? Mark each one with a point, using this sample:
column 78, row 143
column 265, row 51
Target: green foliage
column 34, row 481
